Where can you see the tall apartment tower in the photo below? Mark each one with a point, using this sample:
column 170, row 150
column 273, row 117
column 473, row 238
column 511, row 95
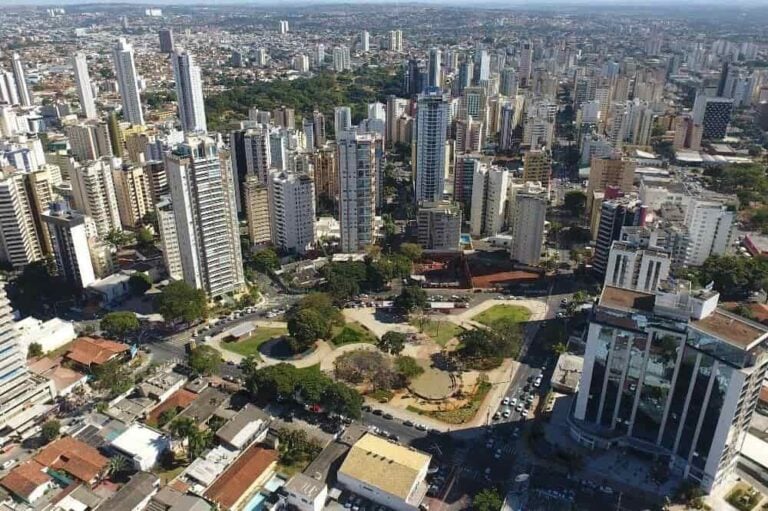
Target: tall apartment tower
column 604, row 172
column 714, row 114
column 318, row 129
column 189, row 92
column 128, row 81
column 93, row 193
column 326, row 177
column 526, row 63
column 256, row 204
column 166, row 40
column 169, row 241
column 132, row 191
column 537, row 167
column 431, row 130
column 673, row 376
column 356, row 155
column 203, row 196
column 529, row 208
column 292, row 206
column 68, row 233
column 636, row 262
column 19, row 244
column 20, row 80
column 434, row 68
column 89, row 140
column 710, row 227
column 84, row 89
column 490, row 192
column 365, row 41
column 342, row 119
column 614, row 216
column 439, row 226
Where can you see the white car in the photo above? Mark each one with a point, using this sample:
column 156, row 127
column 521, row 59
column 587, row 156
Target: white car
column 506, row 413
column 519, row 407
column 524, row 413
column 513, row 402
column 505, row 401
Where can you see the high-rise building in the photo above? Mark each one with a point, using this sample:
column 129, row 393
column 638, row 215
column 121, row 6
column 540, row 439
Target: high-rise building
column 134, row 199
column 128, row 81
column 394, row 109
column 508, row 83
column 528, row 211
column 432, row 120
column 284, row 117
column 8, row 92
column 308, row 130
column 464, row 78
column 169, row 241
column 283, row 27
column 365, row 41
column 40, row 185
column 326, row 178
column 710, row 227
column 342, row 119
column 189, row 92
column 292, row 208
column 490, row 191
column 434, row 68
column 203, row 197
column 474, row 103
column 68, row 234
column 604, row 172
column 115, row 134
column 166, row 40
column 158, row 180
column 256, row 203
column 21, row 394
column 714, row 114
column 356, row 155
column 537, row 167
column 463, row 176
column 89, row 140
column 526, row 63
column 20, row 80
column 636, row 262
column 395, row 40
column 93, row 193
column 277, row 149
column 673, row 376
column 482, row 66
column 84, row 88
column 19, row 244
column 439, row 225
column 258, row 152
column 615, row 214
column 318, row 129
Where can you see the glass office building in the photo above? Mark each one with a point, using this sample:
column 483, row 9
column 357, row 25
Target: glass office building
column 672, row 375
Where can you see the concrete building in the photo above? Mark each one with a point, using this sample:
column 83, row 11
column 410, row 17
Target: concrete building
column 439, row 225
column 89, row 140
column 134, row 198
column 326, row 177
column 166, row 40
column 710, row 227
column 256, row 204
column 431, row 131
column 20, row 80
column 490, row 187
column 93, row 193
column 386, row 473
column 528, row 208
column 166, row 221
column 434, row 68
column 19, row 243
column 358, row 168
column 141, row 445
column 615, row 214
column 463, row 178
column 68, row 234
column 636, row 262
column 604, row 172
column 671, row 375
column 128, row 81
column 292, row 209
column 84, row 87
column 714, row 114
column 189, row 92
column 306, row 494
column 537, row 167
column 342, row 119
column 203, row 196
column 525, row 63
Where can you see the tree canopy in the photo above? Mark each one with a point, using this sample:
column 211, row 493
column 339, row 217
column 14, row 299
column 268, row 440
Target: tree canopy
column 412, row 251
column 488, row 499
column 181, row 302
column 205, row 360
column 119, row 324
column 37, row 287
column 139, row 283
column 113, row 376
column 411, row 298
column 733, row 276
column 265, row 260
column 50, row 431
column 748, row 181
column 392, row 342
column 306, row 326
column 575, row 202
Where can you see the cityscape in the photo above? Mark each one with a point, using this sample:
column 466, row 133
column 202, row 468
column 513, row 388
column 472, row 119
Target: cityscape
column 383, row 256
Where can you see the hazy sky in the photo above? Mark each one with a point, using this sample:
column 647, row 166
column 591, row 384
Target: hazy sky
column 476, row 4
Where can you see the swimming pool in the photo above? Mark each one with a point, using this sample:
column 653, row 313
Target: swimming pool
column 256, row 503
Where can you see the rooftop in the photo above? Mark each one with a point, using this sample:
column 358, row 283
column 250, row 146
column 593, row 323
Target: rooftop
column 305, row 486
column 238, row 479
column 202, row 408
column 74, row 457
column 386, row 465
column 733, row 329
column 243, row 426
column 133, row 493
column 625, row 299
column 139, row 440
column 25, row 478
column 89, row 351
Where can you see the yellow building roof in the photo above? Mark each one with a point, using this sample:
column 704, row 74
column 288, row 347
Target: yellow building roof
column 385, row 465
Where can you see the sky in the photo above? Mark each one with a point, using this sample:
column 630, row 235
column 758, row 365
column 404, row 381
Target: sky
column 480, row 3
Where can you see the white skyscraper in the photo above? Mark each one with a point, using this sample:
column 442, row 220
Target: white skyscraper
column 365, row 41
column 68, row 233
column 434, row 71
column 431, row 125
column 342, row 119
column 189, row 92
column 528, row 208
column 93, row 192
column 20, row 79
column 283, row 27
column 128, row 81
column 19, row 244
column 710, row 227
column 166, row 221
column 203, row 197
column 490, row 191
column 8, row 92
column 292, row 207
column 356, row 155
column 258, row 153
column 84, row 89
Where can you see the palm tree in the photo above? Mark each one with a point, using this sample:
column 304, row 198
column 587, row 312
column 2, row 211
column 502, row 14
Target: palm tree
column 117, row 464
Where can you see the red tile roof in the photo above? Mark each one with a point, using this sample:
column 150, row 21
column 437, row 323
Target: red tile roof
column 89, row 351
column 179, row 399
column 238, row 478
column 25, row 479
column 74, row 457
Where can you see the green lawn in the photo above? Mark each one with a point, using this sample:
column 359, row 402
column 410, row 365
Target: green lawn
column 496, row 312
column 439, row 331
column 250, row 346
column 351, row 333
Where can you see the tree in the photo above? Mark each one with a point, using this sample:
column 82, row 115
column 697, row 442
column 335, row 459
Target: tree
column 307, row 326
column 35, row 350
column 167, row 416
column 408, row 367
column 144, row 238
column 119, row 324
column 343, row 280
column 560, row 348
column 113, row 376
column 205, row 360
column 488, row 499
column 265, row 260
column 323, row 304
column 118, row 238
column 117, row 465
column 575, row 202
column 580, row 296
column 412, row 251
column 50, row 431
column 411, row 298
column 139, row 283
column 392, row 342
column 38, row 286
column 181, row 302
column 150, row 219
